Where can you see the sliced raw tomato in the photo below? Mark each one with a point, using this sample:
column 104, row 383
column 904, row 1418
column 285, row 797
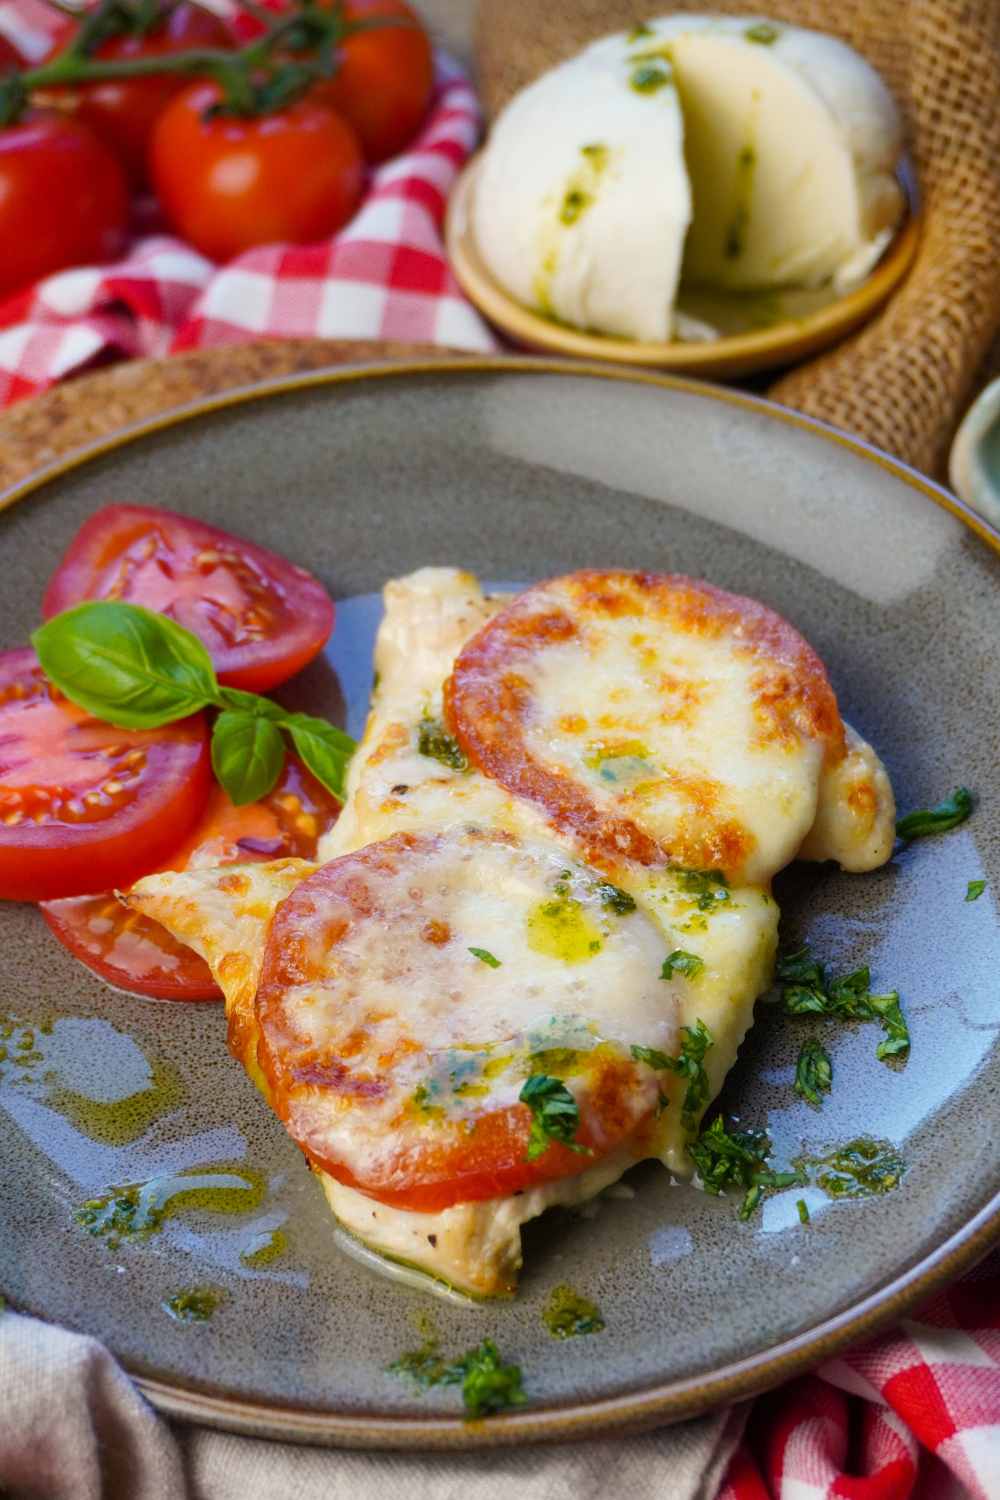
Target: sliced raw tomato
column 261, row 618
column 83, row 803
column 408, row 991
column 132, row 951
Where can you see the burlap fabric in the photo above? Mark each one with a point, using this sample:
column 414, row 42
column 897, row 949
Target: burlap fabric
column 904, row 380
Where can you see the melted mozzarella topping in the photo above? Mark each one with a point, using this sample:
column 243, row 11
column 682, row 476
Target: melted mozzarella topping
column 491, row 899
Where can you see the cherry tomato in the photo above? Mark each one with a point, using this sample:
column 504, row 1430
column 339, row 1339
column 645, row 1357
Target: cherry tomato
column 132, row 951
column 123, row 112
column 385, row 80
column 83, row 803
column 63, row 199
column 9, row 55
column 227, row 183
column 260, row 617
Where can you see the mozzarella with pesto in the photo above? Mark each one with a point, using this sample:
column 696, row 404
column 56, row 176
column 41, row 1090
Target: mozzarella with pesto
column 736, row 152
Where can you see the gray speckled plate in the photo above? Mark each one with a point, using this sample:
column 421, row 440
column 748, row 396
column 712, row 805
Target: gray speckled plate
column 518, row 471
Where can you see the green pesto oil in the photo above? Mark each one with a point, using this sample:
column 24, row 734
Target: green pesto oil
column 138, row 1210
column 122, row 1120
column 52, row 1057
column 560, row 928
column 739, row 224
column 264, row 1249
column 567, row 1315
column 193, row 1304
column 862, row 1168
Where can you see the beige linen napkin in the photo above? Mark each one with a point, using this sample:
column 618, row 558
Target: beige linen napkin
column 73, row 1427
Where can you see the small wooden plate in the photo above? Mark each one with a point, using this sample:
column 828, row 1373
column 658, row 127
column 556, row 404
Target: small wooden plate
column 784, row 342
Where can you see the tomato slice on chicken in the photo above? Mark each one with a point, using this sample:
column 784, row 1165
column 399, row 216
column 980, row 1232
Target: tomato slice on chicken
column 261, row 617
column 135, row 953
column 398, row 1065
column 83, row 803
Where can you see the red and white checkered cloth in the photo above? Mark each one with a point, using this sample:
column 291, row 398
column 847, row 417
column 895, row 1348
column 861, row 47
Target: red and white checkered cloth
column 914, row 1415
column 385, row 276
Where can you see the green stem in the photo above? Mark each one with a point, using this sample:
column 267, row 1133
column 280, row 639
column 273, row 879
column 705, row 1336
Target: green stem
column 233, row 70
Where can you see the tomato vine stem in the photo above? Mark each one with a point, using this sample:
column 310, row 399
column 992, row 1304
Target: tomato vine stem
column 252, row 78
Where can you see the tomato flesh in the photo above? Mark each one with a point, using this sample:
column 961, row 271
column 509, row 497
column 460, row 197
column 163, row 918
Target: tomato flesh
column 261, row 618
column 82, row 802
column 135, row 953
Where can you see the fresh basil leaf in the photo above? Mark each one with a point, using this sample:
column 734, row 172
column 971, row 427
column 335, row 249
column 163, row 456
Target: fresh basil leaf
column 485, row 956
column 252, row 703
column 325, row 749
column 947, row 814
column 813, row 1072
column 555, row 1115
column 802, row 1209
column 248, row 753
column 679, row 962
column 125, row 664
column 974, row 890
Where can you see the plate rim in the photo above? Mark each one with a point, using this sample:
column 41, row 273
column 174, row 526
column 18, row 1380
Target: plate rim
column 733, row 355
column 657, row 1403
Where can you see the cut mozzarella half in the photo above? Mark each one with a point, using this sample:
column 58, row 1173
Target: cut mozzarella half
column 582, row 201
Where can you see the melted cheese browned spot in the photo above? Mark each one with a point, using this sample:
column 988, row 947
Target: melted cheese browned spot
column 700, row 721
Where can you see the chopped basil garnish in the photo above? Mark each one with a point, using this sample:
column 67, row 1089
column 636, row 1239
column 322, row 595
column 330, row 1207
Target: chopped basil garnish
column 613, row 898
column 802, row 1208
column 805, row 990
column 710, row 886
column 488, row 1385
column 974, row 890
column 738, row 1159
column 434, row 742
column 555, row 1115
column 679, row 962
column 130, row 666
column 947, row 814
column 695, row 1043
column 486, row 957
column 813, row 1071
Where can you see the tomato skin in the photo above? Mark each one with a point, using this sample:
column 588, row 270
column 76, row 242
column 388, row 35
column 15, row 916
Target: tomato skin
column 54, row 757
column 123, row 112
column 9, row 55
column 384, row 83
column 261, row 618
column 228, row 184
column 63, row 199
column 135, row 953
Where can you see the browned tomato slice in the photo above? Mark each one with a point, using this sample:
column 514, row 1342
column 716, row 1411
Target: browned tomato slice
column 132, row 951
column 653, row 717
column 409, row 991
